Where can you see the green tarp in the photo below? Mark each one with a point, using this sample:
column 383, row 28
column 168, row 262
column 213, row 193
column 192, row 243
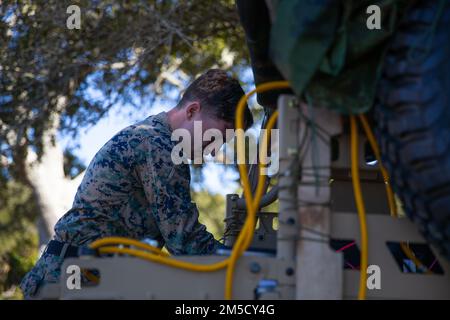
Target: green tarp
column 326, row 51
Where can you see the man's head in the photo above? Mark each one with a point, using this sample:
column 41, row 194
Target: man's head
column 212, row 99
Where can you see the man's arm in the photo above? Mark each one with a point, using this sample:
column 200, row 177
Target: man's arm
column 167, row 188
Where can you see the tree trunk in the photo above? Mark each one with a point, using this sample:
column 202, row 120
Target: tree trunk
column 54, row 192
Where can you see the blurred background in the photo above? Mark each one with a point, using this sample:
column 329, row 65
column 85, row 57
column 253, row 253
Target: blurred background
column 64, row 93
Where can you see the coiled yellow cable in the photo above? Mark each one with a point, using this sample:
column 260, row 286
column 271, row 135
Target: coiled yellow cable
column 246, row 234
column 165, row 260
column 390, row 194
column 126, row 241
column 243, row 243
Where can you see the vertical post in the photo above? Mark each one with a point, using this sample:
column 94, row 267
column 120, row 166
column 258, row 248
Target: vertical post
column 288, row 122
column 319, row 268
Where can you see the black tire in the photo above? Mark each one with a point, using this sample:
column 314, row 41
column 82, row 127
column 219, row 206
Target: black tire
column 412, row 118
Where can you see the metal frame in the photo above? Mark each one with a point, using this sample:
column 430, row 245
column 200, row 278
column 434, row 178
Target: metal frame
column 130, row 278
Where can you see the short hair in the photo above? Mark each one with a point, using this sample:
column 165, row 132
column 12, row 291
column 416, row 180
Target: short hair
column 219, row 95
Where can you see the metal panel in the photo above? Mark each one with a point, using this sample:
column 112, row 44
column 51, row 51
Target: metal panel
column 134, row 278
column 394, row 283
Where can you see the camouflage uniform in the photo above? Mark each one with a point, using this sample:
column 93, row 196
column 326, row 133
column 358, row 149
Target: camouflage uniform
column 131, row 189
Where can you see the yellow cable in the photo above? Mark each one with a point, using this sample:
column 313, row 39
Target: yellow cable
column 384, row 173
column 359, row 206
column 126, row 241
column 245, row 238
column 246, row 234
column 186, row 265
column 181, row 264
column 255, row 202
column 165, row 260
column 243, row 243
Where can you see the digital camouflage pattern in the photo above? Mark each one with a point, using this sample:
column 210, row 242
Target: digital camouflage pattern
column 130, row 189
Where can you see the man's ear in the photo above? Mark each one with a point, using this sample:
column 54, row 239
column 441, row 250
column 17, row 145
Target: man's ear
column 192, row 108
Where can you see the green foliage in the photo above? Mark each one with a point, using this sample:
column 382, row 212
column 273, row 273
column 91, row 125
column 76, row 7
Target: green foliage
column 122, row 51
column 18, row 237
column 212, row 211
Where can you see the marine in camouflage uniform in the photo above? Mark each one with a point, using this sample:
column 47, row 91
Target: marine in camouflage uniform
column 131, row 189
